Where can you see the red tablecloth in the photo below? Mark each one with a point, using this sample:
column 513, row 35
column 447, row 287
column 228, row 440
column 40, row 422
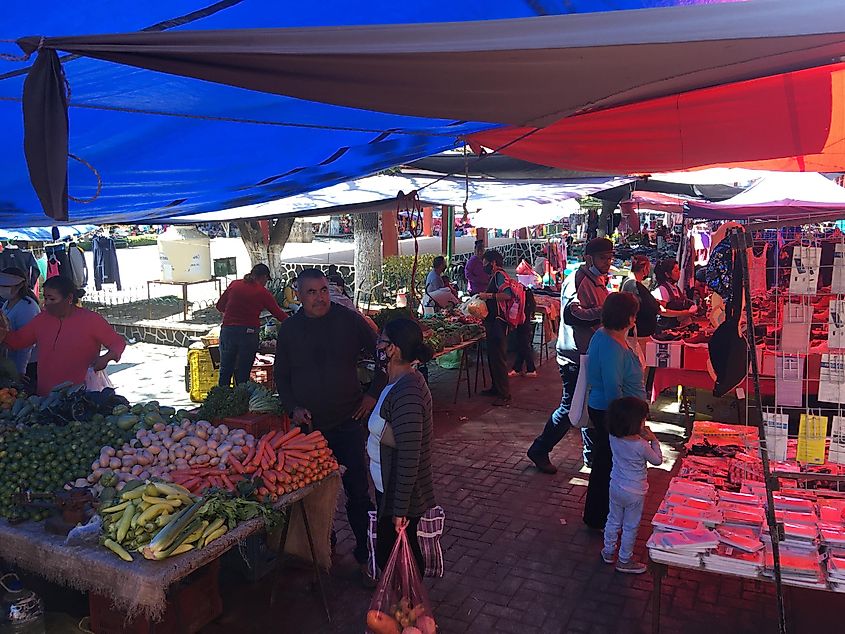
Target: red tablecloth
column 668, row 377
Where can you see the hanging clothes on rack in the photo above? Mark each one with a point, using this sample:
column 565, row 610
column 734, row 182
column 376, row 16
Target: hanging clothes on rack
column 78, row 267
column 106, row 268
column 57, row 261
column 757, row 268
column 14, row 256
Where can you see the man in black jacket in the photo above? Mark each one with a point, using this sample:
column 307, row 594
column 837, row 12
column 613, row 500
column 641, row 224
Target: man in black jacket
column 317, row 353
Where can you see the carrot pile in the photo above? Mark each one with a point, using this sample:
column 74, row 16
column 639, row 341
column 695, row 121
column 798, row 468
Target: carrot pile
column 284, row 461
column 288, row 461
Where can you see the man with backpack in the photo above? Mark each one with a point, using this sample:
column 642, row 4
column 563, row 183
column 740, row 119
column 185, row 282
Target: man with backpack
column 581, row 299
column 505, row 310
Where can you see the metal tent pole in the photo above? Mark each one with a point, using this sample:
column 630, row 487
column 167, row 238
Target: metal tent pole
column 739, row 244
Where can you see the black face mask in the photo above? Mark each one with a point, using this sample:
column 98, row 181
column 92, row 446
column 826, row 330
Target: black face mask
column 488, row 268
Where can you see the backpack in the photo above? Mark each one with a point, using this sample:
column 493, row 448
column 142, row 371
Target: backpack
column 569, row 297
column 512, row 311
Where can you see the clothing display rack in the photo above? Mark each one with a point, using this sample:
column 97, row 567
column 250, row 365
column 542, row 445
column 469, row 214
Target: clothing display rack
column 740, row 244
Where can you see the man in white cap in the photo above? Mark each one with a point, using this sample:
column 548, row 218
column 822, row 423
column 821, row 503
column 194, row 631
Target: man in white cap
column 581, row 299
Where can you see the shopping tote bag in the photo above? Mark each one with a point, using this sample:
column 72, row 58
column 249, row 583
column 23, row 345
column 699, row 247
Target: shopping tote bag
column 578, row 415
column 400, row 603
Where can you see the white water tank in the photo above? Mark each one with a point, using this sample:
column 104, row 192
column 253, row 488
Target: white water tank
column 185, row 254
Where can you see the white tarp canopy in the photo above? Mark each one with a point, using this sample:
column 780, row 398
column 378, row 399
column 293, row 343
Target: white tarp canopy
column 518, row 216
column 376, row 193
column 805, row 196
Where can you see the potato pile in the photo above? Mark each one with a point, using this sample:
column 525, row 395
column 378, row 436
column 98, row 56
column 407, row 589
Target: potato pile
column 155, row 453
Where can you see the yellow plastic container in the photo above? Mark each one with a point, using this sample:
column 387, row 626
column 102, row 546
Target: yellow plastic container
column 202, row 375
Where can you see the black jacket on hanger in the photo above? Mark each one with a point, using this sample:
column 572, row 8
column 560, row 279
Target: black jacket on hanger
column 24, row 260
column 106, row 268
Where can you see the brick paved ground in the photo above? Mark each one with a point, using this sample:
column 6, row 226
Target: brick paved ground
column 518, row 557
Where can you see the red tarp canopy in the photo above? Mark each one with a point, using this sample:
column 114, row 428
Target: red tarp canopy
column 793, row 121
column 657, row 201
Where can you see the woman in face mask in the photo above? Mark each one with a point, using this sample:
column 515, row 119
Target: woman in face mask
column 399, row 445
column 20, row 306
column 70, row 338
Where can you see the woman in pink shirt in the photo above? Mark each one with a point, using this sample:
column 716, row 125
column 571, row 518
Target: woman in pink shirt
column 70, row 338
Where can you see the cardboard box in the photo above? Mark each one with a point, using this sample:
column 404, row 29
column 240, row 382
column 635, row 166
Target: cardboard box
column 766, row 362
column 663, row 354
column 696, row 356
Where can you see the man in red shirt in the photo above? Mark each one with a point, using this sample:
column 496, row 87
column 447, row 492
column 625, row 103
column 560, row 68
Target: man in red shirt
column 241, row 305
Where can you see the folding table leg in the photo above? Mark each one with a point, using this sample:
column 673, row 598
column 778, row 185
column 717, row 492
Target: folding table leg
column 315, row 562
column 658, row 571
column 460, row 378
column 466, row 371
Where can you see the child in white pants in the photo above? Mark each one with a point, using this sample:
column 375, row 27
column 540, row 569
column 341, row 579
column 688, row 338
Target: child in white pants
column 633, row 445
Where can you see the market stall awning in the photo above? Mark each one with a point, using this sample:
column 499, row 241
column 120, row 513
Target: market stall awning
column 656, row 201
column 163, row 145
column 520, row 215
column 378, row 193
column 792, row 121
column 523, row 71
column 39, row 234
column 807, row 197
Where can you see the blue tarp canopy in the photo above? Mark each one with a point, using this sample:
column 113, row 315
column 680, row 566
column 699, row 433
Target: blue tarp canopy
column 44, row 234
column 162, row 145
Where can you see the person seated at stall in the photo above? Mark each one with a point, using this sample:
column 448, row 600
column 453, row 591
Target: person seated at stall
column 677, row 310
column 70, row 338
column 438, row 291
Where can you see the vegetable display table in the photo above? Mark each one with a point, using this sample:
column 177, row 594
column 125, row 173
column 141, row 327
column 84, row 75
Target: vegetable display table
column 140, row 587
column 463, row 368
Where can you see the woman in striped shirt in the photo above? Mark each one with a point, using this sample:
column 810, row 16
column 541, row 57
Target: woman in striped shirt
column 399, row 445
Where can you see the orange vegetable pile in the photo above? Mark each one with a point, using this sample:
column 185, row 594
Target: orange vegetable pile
column 288, row 461
column 284, row 461
column 8, row 395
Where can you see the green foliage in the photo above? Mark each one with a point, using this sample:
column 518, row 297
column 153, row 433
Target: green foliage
column 397, row 272
column 129, row 241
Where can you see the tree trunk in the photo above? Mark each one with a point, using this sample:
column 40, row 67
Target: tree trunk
column 367, row 251
column 270, row 254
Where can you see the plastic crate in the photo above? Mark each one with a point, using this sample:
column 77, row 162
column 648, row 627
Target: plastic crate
column 202, row 374
column 696, row 356
column 251, row 559
column 262, row 371
column 259, row 424
column 192, row 604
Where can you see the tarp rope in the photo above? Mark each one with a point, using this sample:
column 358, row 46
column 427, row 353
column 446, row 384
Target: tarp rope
column 99, row 178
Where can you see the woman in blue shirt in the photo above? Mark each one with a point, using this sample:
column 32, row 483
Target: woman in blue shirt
column 613, row 371
column 20, row 306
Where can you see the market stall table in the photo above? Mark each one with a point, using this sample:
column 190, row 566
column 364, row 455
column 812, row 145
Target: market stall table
column 718, row 486
column 140, row 587
column 669, row 377
column 463, row 368
column 217, row 281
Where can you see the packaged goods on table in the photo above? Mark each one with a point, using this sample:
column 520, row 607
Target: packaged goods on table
column 720, row 489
